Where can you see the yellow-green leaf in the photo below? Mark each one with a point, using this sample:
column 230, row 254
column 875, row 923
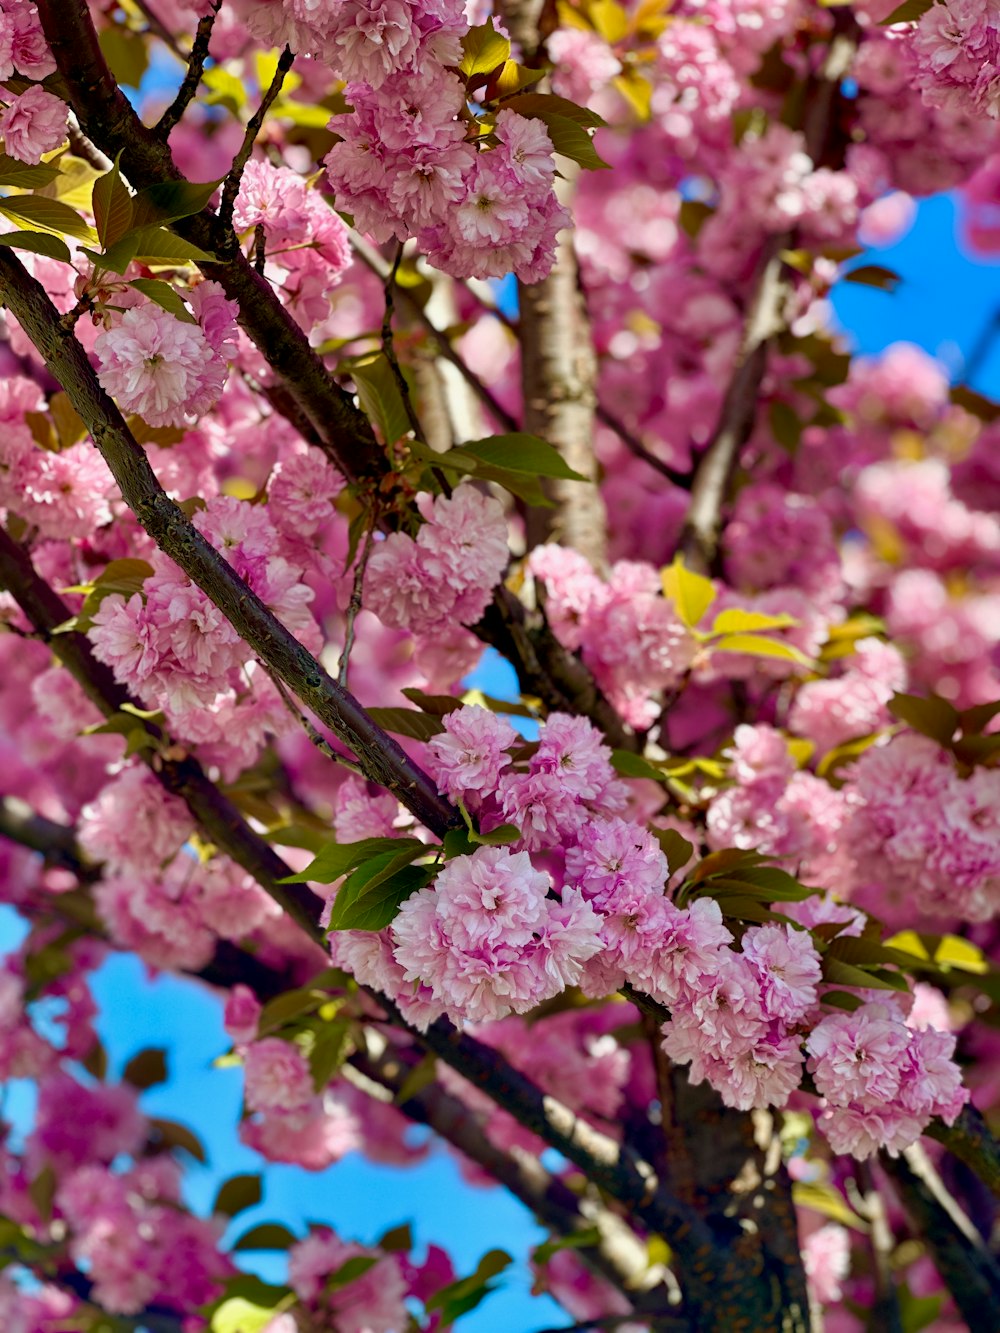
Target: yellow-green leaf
column 484, row 50
column 37, row 213
column 736, row 621
column 692, row 594
column 756, row 645
column 112, row 207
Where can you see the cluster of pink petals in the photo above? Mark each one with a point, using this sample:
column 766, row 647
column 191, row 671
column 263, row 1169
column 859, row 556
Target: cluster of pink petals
column 306, row 243
column 33, row 123
column 488, row 939
column 922, row 834
column 957, row 44
column 881, row 1080
column 173, row 648
column 374, row 1302
column 448, row 572
column 628, row 633
column 22, row 43
column 161, row 368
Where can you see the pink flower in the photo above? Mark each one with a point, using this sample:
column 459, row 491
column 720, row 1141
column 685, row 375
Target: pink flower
column 372, row 1303
column 157, row 366
column 33, row 123
column 467, row 759
column 787, row 967
column 859, row 1056
column 242, row 1012
column 826, row 1257
column 277, row 1076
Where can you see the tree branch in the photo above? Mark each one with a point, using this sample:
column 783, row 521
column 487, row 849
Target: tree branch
column 969, row 1271
column 231, row 188
column 108, row 119
column 764, row 319
column 192, row 77
column 380, row 757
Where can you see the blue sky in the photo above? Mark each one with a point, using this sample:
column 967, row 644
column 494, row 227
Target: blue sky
column 944, row 302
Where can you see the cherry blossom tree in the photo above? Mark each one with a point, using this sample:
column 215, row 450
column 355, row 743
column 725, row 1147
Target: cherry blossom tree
column 398, row 331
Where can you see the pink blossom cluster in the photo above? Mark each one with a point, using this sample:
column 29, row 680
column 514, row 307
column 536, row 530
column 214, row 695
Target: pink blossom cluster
column 881, row 1081
column 628, row 633
column 22, row 43
column 957, row 45
column 922, row 835
column 374, row 1302
column 174, row 649
column 33, row 123
column 488, row 940
column 137, row 1243
column 404, row 167
column 168, row 371
column 306, row 243
column 448, row 572
column 780, row 810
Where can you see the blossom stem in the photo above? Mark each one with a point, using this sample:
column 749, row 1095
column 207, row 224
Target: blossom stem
column 192, row 77
column 231, row 187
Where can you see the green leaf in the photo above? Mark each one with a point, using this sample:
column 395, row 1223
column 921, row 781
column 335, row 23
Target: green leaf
column 484, row 50
column 237, row 1315
column 571, row 140
column 380, row 396
column 293, row 1003
column 397, row 1240
column 168, row 201
column 578, row 1240
column 839, row 973
column 236, row 1194
column 165, row 296
column 539, row 106
column 934, row 717
column 873, row 275
column 36, row 213
column 112, row 206
column 24, row 176
column 756, row 645
column 458, row 1298
column 421, row 1076
column 407, row 722
column 126, row 54
column 910, row 11
column 152, row 245
column 330, row 1049
column 42, row 1190
column 125, row 576
column 458, row 842
column 147, row 1069
column 675, row 847
column 266, row 1236
column 337, row 859
column 692, row 594
column 349, row 1271
column 498, row 837
column 946, row 952
column 370, row 897
column 175, row 1135
column 438, row 705
column 38, row 242
column 735, row 621
column 631, row 765
column 825, row 1199
column 520, row 452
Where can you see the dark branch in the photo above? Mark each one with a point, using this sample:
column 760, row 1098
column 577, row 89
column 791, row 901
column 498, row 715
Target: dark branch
column 192, row 76
column 380, row 757
column 231, row 188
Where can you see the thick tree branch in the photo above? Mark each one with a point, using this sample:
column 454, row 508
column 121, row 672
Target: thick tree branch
column 764, row 319
column 108, row 119
column 380, row 757
column 969, row 1271
column 558, row 375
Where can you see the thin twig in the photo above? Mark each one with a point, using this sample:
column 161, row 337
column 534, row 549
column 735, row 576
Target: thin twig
column 886, row 1313
column 388, row 347
column 320, row 741
column 354, row 605
column 260, row 248
column 192, row 78
column 159, row 29
column 374, row 261
column 231, row 188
